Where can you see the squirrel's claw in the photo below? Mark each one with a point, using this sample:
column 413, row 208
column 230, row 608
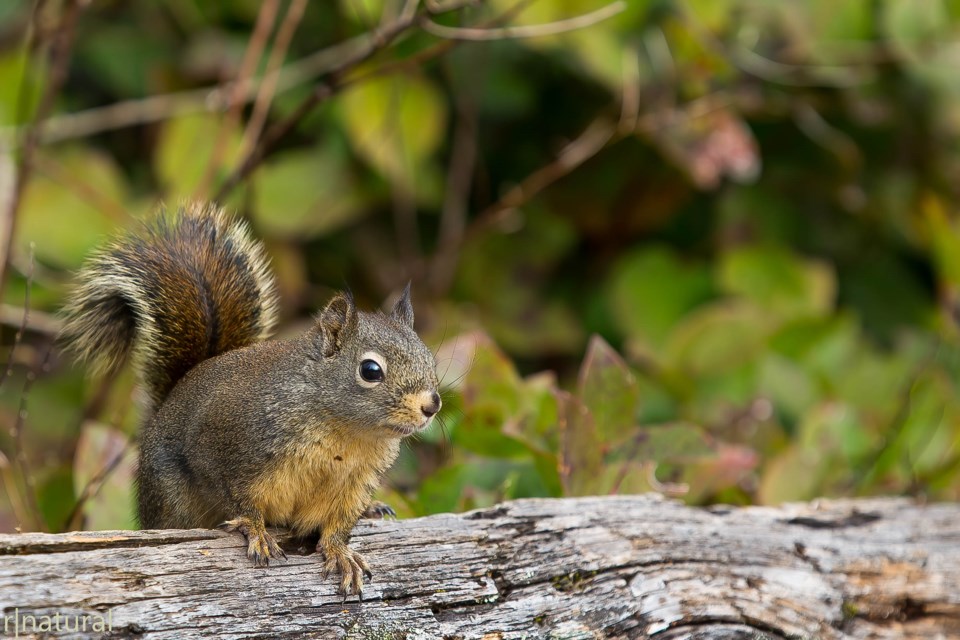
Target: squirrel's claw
column 260, row 545
column 377, row 510
column 350, row 565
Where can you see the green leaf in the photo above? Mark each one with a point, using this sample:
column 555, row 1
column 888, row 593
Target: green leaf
column 833, row 22
column 823, row 347
column 913, row 29
column 944, row 238
column 792, row 389
column 651, row 289
column 541, row 414
column 609, row 391
column 778, row 281
column 396, row 123
column 19, row 83
column 671, row 442
column 718, row 338
column 830, row 442
column 301, row 194
column 581, row 454
column 792, row 475
column 912, row 26
column 833, row 431
column 491, row 393
column 65, row 221
column 478, row 483
column 929, row 433
column 185, row 149
column 713, row 14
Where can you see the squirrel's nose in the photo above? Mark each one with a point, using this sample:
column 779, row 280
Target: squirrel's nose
column 430, row 409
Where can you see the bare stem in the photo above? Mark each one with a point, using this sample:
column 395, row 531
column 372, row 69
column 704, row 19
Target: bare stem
column 268, row 87
column 526, row 31
column 92, row 488
column 374, row 42
column 20, row 454
column 251, row 57
column 61, row 45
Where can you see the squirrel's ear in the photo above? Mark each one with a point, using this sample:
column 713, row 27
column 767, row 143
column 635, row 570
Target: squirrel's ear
column 403, row 310
column 337, row 322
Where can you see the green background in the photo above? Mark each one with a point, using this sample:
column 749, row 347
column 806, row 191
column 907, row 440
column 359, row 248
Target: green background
column 709, row 248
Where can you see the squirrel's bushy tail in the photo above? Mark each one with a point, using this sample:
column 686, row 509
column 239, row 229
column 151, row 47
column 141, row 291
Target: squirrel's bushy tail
column 190, row 286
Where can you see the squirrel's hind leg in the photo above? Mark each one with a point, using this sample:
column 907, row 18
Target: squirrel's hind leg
column 340, row 558
column 261, row 546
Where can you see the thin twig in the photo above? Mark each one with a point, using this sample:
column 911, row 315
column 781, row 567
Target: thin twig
column 599, row 134
column 92, row 408
column 20, row 454
column 813, row 124
column 261, row 106
column 793, row 75
column 375, row 41
column 129, row 113
column 409, row 9
column 266, row 18
column 630, row 93
column 61, row 45
column 435, row 7
column 337, row 80
column 526, row 31
column 23, row 321
column 93, row 486
column 417, row 60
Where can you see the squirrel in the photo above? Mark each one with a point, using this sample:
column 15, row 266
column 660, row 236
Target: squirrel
column 240, row 431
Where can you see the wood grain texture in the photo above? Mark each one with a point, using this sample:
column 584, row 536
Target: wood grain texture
column 632, row 567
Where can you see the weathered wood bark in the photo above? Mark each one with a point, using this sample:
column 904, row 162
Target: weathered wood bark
column 579, row 568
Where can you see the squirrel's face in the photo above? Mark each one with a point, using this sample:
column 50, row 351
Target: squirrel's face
column 384, row 376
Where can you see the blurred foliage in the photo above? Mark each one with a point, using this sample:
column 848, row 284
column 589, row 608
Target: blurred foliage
column 756, row 204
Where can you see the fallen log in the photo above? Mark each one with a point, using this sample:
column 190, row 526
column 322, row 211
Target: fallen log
column 625, row 566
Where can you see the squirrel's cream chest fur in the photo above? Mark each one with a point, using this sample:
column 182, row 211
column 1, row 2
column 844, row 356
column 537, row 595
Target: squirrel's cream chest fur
column 325, row 482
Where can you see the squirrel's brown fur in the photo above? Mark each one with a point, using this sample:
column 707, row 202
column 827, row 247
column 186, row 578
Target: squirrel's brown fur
column 242, row 432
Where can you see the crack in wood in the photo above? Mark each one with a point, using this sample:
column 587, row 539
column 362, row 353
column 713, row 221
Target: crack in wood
column 854, row 519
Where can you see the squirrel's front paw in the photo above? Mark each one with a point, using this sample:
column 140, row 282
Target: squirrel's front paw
column 260, row 545
column 377, row 510
column 339, row 558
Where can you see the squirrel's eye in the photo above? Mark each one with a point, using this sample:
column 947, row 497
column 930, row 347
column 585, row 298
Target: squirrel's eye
column 370, row 371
